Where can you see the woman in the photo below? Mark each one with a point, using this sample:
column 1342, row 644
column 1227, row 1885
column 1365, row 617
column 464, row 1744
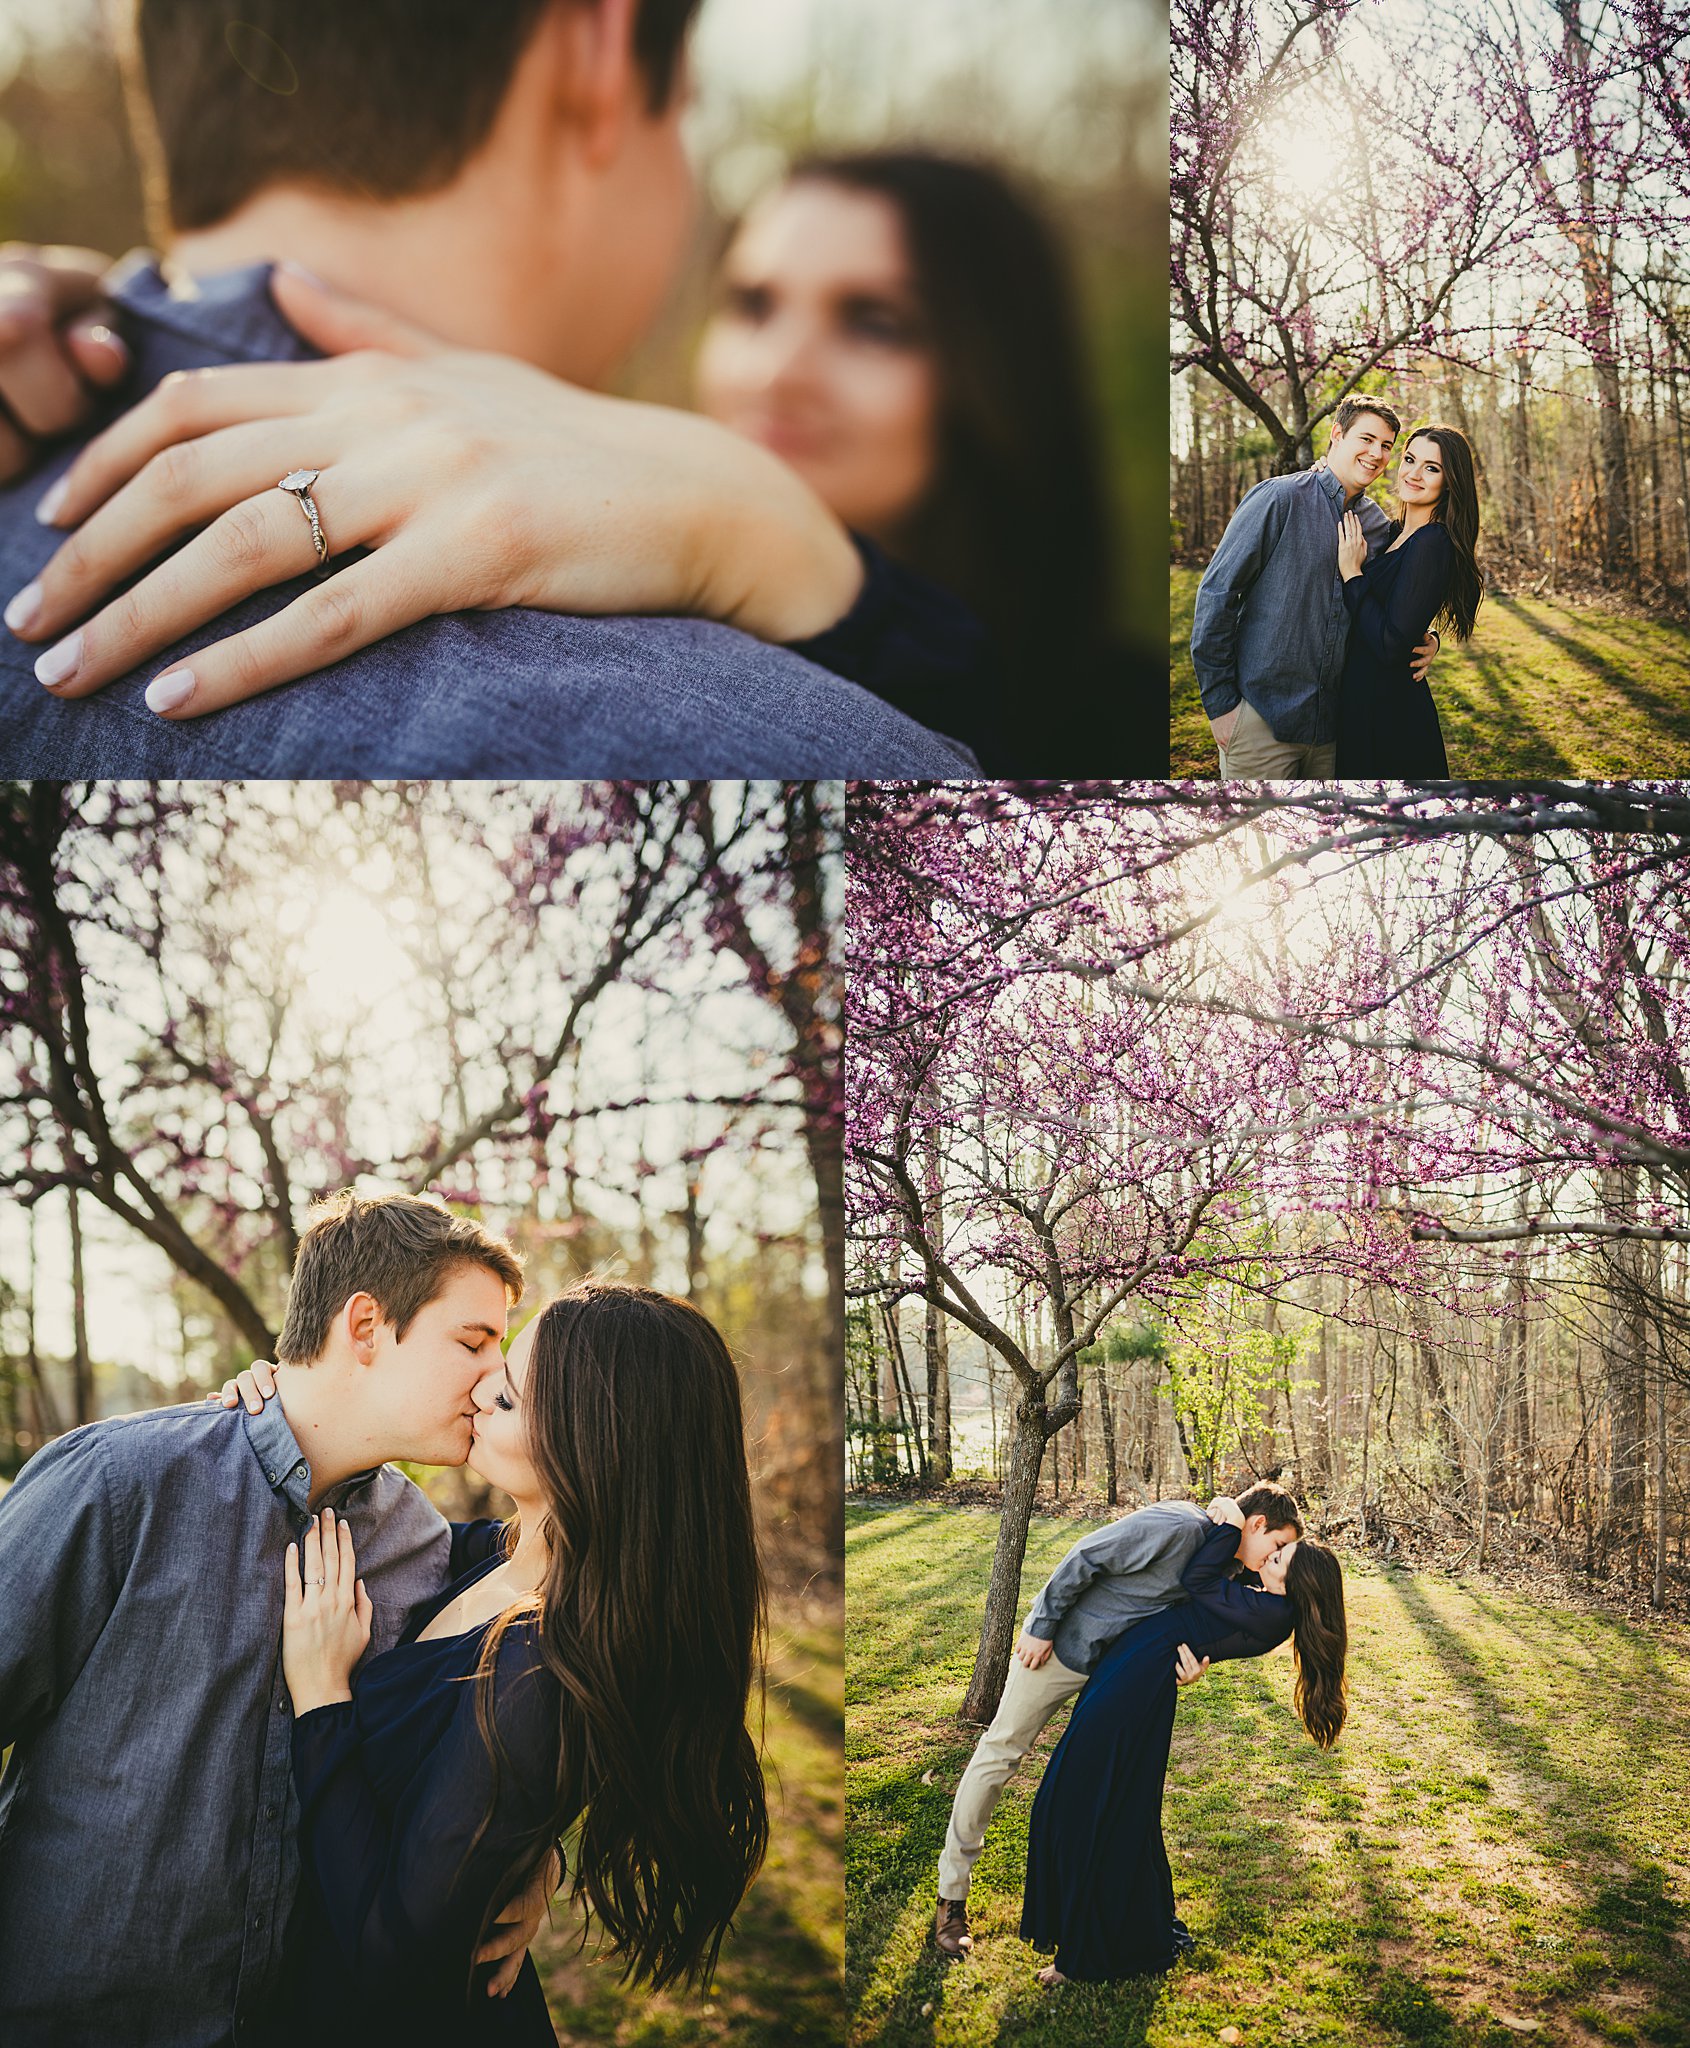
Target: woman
column 896, row 329
column 1429, row 573
column 1099, row 1891
column 586, row 1682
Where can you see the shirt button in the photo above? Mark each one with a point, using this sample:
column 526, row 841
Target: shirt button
column 281, row 1706
column 270, row 1812
column 257, row 1922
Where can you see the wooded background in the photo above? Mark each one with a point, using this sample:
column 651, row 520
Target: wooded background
column 602, row 1017
column 1481, row 211
column 1339, row 1138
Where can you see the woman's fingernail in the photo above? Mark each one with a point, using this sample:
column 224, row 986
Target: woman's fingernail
column 51, row 500
column 60, row 663
column 171, row 691
column 299, row 270
column 25, row 608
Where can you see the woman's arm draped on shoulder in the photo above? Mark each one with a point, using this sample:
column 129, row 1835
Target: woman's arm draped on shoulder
column 1392, row 630
column 61, row 1570
column 920, row 649
column 474, row 1543
column 1260, row 1615
column 401, row 1889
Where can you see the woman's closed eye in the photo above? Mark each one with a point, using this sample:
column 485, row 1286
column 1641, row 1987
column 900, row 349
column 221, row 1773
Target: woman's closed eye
column 503, row 1401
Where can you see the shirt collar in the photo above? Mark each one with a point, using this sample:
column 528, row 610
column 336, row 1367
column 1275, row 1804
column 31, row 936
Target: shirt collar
column 285, row 1465
column 229, row 310
column 1330, row 485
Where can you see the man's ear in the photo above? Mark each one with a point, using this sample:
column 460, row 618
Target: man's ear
column 599, row 84
column 361, row 1318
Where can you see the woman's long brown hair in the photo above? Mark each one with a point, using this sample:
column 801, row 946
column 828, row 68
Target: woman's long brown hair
column 1320, row 1639
column 652, row 1620
column 1458, row 509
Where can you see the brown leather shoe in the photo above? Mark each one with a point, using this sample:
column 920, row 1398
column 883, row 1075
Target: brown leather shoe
column 950, row 1928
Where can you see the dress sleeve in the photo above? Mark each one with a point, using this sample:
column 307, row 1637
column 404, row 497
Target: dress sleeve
column 1263, row 1617
column 61, row 1571
column 1393, row 626
column 403, row 1887
column 473, row 1543
column 917, row 648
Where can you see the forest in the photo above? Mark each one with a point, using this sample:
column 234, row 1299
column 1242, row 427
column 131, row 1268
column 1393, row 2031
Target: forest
column 1477, row 211
column 1339, row 1138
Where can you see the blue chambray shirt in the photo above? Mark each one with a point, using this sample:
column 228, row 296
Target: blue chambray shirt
column 147, row 1857
column 515, row 692
column 1271, row 623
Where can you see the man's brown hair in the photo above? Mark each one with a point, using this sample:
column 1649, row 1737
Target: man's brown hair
column 379, row 98
column 1352, row 409
column 398, row 1249
column 1281, row 1510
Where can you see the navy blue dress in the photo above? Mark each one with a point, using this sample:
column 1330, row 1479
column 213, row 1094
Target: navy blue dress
column 1099, row 1890
column 392, row 1786
column 1387, row 723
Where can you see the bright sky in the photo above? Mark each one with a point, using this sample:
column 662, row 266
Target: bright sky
column 354, row 981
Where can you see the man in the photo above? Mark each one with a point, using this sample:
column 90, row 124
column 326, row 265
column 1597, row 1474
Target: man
column 1271, row 625
column 509, row 175
column 147, row 1815
column 1109, row 1581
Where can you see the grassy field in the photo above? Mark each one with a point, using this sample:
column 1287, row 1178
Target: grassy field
column 1543, row 688
column 778, row 1984
column 1498, row 1851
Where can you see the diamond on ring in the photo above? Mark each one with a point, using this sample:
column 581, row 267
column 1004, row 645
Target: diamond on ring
column 297, row 483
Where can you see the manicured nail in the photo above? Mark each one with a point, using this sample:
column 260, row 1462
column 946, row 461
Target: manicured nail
column 171, row 691
column 51, row 500
column 60, row 663
column 24, row 609
column 105, row 338
column 299, row 270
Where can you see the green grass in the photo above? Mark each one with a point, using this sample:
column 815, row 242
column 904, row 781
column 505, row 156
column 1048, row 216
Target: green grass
column 778, row 1985
column 1497, row 1851
column 1542, row 688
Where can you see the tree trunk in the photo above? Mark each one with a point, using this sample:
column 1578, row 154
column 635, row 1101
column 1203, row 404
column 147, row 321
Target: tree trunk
column 1003, row 1592
column 1111, row 1474
column 82, row 1368
column 938, row 1394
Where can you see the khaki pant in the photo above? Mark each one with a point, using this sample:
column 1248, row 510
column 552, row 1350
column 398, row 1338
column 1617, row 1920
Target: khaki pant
column 1030, row 1698
column 1253, row 754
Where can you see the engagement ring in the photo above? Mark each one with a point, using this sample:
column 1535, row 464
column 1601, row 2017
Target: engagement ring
column 297, row 483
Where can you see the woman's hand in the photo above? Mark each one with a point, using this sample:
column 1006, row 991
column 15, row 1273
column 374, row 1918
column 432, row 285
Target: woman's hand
column 1223, row 1510
column 254, row 1386
column 58, row 348
column 326, row 1615
column 1187, row 1670
column 478, row 482
column 1352, row 546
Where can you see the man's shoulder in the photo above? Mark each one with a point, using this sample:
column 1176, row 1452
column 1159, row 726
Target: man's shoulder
column 1157, row 1513
column 120, row 1447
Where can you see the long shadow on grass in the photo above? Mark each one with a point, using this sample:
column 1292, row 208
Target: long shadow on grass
column 1502, row 728
column 1645, row 1926
column 1657, row 703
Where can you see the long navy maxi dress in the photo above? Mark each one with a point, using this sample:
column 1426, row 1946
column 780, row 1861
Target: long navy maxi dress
column 1387, row 722
column 1099, row 1891
column 392, row 1785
